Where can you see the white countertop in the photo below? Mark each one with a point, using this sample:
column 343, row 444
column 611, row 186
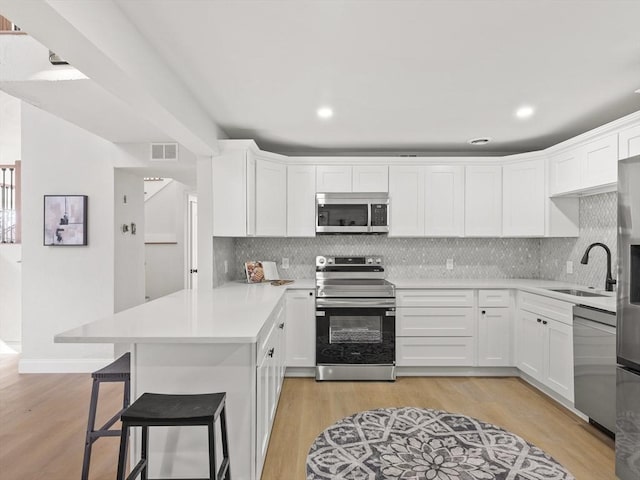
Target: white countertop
column 236, row 312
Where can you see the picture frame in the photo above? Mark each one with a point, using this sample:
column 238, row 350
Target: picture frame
column 65, row 220
column 254, row 272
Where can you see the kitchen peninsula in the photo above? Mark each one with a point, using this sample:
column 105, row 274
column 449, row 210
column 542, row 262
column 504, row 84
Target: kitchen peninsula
column 232, row 339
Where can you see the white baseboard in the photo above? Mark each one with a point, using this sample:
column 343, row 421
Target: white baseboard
column 457, row 372
column 62, row 365
column 10, row 347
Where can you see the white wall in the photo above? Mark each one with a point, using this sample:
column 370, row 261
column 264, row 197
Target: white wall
column 129, row 280
column 165, row 215
column 64, row 287
column 10, row 291
column 10, row 255
column 10, row 150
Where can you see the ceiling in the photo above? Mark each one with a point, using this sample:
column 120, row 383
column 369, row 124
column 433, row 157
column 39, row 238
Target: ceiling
column 405, row 77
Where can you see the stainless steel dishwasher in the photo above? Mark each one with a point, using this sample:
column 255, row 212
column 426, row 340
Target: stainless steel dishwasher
column 594, row 370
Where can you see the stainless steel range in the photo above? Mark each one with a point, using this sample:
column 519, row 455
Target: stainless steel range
column 355, row 320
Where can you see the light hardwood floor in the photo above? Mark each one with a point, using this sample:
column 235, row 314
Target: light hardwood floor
column 43, row 419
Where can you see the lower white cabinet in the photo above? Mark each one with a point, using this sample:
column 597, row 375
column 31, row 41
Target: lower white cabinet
column 301, row 329
column 435, row 328
column 435, row 351
column 545, row 351
column 494, row 337
column 271, row 354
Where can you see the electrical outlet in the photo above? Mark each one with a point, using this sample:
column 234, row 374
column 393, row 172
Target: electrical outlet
column 569, row 266
column 226, row 267
column 285, row 262
column 449, row 263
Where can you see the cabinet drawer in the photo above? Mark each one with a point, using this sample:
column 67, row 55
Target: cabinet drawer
column 435, row 352
column 493, row 298
column 550, row 307
column 435, row 322
column 434, row 298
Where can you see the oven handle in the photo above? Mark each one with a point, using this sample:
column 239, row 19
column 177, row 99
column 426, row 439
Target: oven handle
column 356, row 303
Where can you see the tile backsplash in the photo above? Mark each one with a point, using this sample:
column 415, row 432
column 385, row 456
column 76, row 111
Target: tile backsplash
column 598, row 223
column 404, row 257
column 426, row 257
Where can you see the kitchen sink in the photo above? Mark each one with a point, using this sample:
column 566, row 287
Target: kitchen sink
column 577, row 293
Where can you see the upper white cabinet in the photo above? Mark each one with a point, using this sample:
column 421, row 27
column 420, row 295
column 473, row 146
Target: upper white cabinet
column 333, row 178
column 483, row 201
column 370, row 178
column 271, row 198
column 600, row 162
column 629, row 142
column 523, row 202
column 588, row 166
column 426, row 201
column 444, row 201
column 301, row 200
column 346, row 178
column 406, row 201
column 233, row 193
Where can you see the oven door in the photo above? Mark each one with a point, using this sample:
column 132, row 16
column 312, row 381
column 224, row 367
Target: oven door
column 355, row 333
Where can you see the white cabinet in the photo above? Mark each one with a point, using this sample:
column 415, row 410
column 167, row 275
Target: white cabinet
column 426, row 201
column 564, row 172
column 483, row 201
column 270, row 356
column 370, row 178
column 301, row 200
column 333, row 178
column 347, row 178
column 494, row 328
column 523, row 201
column 629, row 142
column 530, row 344
column 545, row 342
column 406, row 201
column 271, row 198
column 444, row 201
column 435, row 328
column 233, row 194
column 558, row 348
column 301, row 329
column 589, row 166
column 599, row 162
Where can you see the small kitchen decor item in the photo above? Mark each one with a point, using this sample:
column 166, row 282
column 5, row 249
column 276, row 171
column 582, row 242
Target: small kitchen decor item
column 65, row 220
column 254, row 271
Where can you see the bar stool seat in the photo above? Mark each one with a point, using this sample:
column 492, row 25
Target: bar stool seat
column 117, row 371
column 155, row 409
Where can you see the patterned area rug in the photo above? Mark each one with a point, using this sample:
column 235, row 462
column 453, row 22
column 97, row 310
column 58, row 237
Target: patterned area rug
column 417, row 444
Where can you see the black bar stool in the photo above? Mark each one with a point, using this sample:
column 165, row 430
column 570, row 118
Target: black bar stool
column 162, row 410
column 117, row 371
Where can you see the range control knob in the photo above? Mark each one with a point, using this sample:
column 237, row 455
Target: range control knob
column 378, row 261
column 321, row 260
column 330, row 261
column 369, row 261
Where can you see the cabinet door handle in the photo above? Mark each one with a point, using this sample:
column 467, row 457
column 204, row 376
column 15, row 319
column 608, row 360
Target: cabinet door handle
column 271, row 352
column 539, row 320
column 311, row 294
column 544, row 322
column 281, row 326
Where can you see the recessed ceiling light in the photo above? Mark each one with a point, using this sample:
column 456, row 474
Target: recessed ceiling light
column 479, row 141
column 325, row 112
column 525, row 111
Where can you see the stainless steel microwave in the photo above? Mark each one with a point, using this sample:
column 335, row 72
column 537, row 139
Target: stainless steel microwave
column 352, row 213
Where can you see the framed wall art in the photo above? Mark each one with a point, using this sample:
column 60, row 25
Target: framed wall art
column 65, row 220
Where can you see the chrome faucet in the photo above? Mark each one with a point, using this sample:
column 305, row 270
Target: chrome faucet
column 609, row 282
